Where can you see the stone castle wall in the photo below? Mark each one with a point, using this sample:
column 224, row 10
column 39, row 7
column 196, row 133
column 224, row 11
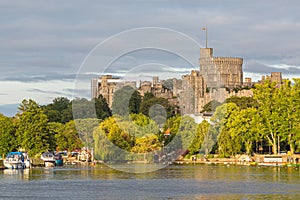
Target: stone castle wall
column 217, row 78
column 220, row 71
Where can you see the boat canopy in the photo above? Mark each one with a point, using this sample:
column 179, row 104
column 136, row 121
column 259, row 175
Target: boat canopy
column 12, row 154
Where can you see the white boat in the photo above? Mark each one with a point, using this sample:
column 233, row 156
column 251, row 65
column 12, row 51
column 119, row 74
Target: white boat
column 48, row 159
column 15, row 160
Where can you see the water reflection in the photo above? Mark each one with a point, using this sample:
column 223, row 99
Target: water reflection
column 174, row 182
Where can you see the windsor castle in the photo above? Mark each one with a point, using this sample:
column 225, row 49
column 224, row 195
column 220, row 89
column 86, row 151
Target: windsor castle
column 217, row 79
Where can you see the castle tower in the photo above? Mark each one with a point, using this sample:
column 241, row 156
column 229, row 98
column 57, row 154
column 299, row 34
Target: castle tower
column 155, row 80
column 276, row 77
column 220, row 71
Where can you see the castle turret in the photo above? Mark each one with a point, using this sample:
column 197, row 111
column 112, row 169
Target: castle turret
column 220, row 71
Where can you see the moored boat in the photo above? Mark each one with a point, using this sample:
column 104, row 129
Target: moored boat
column 48, row 159
column 14, row 160
column 58, row 159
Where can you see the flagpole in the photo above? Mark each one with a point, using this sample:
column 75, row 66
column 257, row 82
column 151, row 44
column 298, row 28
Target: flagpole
column 206, row 36
column 205, row 29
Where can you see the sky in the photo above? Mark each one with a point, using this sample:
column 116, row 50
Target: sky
column 48, row 47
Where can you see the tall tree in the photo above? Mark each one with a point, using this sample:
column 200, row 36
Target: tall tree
column 55, row 111
column 135, row 102
column 244, row 126
column 7, row 135
column 202, row 131
column 121, row 100
column 102, row 109
column 32, row 128
column 227, row 143
column 160, row 105
column 68, row 138
column 270, row 112
column 85, row 129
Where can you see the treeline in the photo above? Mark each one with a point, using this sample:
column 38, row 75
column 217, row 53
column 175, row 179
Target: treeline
column 65, row 124
column 37, row 128
column 260, row 124
column 146, row 126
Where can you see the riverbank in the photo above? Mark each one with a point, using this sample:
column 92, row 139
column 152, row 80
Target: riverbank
column 1, row 164
column 258, row 159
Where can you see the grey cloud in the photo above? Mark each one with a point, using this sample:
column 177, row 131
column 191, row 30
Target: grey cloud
column 48, row 40
column 255, row 67
column 48, row 92
column 41, row 77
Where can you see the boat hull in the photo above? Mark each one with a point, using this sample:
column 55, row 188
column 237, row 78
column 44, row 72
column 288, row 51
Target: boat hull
column 59, row 162
column 14, row 165
column 49, row 163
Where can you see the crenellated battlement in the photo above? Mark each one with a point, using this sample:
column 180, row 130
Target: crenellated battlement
column 220, row 71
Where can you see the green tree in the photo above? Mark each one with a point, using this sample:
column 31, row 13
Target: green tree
column 243, row 102
column 202, row 131
column 160, row 105
column 7, row 135
column 67, row 137
column 135, row 102
column 148, row 95
column 182, row 131
column 83, row 108
column 270, row 112
column 60, row 103
column 32, row 128
column 111, row 142
column 85, row 129
column 55, row 110
column 244, row 126
column 121, row 99
column 288, row 102
column 228, row 144
column 146, row 144
column 210, row 106
column 102, row 109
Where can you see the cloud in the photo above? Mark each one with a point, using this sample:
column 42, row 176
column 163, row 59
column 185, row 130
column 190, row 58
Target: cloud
column 260, row 68
column 40, row 78
column 46, row 42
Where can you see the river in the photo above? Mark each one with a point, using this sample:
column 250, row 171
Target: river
column 172, row 182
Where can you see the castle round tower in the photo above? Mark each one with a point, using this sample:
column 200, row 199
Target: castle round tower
column 220, row 71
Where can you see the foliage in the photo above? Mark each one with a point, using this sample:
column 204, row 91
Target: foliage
column 242, row 102
column 85, row 129
column 116, row 137
column 182, row 131
column 148, row 95
column 160, row 105
column 101, row 107
column 59, row 110
column 210, row 106
column 32, row 129
column 135, row 102
column 67, row 137
column 202, row 131
column 121, row 99
column 145, row 144
column 7, row 135
column 227, row 143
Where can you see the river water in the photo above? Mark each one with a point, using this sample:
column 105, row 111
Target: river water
column 172, row 182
